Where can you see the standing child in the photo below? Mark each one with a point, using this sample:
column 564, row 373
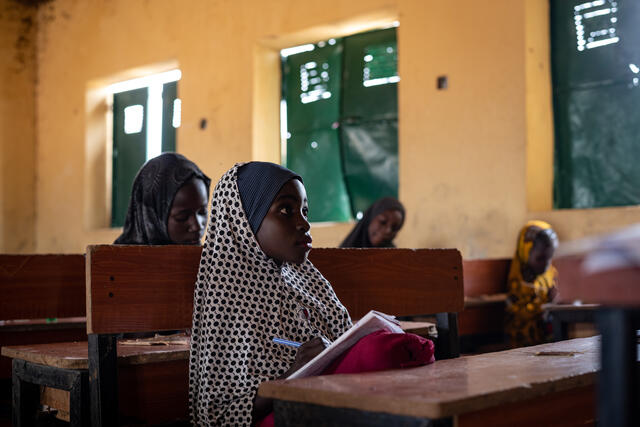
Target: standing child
column 532, row 283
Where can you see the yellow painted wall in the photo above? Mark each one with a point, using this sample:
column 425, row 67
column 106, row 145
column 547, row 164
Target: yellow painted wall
column 17, row 126
column 466, row 153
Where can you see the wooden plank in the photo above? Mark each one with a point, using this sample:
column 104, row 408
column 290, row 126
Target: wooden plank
column 612, row 288
column 452, row 386
column 42, row 286
column 74, row 355
column 17, row 335
column 485, row 276
column 140, row 288
column 395, row 281
column 398, row 281
column 573, row 407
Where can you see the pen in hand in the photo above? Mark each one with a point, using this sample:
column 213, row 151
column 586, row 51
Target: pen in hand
column 286, row 342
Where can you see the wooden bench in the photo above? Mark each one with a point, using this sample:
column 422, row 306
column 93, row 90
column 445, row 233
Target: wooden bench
column 617, row 291
column 396, row 281
column 549, row 384
column 42, row 301
column 482, row 321
column 138, row 289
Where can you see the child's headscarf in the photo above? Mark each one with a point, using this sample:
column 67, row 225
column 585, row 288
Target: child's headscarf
column 154, row 189
column 243, row 299
column 359, row 236
column 526, row 238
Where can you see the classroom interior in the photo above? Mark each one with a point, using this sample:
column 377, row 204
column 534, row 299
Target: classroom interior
column 476, row 158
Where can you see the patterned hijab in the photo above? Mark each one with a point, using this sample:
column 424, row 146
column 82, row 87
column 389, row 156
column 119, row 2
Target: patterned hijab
column 359, row 236
column 526, row 238
column 243, row 299
column 154, row 189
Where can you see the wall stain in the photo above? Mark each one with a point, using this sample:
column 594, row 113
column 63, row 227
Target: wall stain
column 25, row 12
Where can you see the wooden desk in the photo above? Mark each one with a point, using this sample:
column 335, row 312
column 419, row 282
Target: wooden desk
column 153, row 382
column 36, row 331
column 618, row 291
column 562, row 315
column 514, row 387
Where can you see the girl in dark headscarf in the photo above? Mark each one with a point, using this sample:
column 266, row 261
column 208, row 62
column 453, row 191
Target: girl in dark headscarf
column 168, row 203
column 378, row 226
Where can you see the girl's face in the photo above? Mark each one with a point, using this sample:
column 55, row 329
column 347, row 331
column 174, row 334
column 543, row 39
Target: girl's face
column 284, row 232
column 188, row 214
column 540, row 256
column 384, row 227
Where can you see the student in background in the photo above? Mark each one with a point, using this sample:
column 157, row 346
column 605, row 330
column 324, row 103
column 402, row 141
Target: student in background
column 378, row 226
column 255, row 284
column 532, row 283
column 168, row 203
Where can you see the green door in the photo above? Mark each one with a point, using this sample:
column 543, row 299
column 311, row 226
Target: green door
column 129, row 147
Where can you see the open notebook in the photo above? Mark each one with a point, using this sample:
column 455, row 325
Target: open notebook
column 371, row 322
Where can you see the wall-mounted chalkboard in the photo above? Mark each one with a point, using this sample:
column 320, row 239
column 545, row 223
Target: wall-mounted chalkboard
column 595, row 49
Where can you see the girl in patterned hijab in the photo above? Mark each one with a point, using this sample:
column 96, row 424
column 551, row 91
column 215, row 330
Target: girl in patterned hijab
column 255, row 283
column 168, row 203
column 532, row 283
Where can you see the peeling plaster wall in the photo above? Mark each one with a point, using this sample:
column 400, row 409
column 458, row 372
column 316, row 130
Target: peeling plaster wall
column 463, row 151
column 17, row 126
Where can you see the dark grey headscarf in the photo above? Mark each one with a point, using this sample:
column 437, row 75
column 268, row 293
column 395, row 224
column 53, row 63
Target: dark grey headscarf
column 258, row 184
column 154, row 189
column 359, row 236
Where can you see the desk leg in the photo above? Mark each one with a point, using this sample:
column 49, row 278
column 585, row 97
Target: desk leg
column 103, row 380
column 28, row 377
column 26, row 397
column 295, row 414
column 448, row 342
column 560, row 328
column 618, row 398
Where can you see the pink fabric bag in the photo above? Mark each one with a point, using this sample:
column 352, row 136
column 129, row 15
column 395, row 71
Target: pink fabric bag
column 379, row 351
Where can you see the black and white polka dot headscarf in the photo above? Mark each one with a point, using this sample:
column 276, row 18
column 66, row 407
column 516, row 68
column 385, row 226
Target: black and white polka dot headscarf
column 242, row 300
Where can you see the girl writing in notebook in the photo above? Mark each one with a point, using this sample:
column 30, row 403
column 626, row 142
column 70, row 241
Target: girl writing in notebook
column 255, row 284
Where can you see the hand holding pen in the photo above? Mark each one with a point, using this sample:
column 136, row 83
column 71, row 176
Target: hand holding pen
column 306, row 351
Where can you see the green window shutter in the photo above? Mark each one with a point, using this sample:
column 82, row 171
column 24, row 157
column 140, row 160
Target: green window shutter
column 129, row 147
column 596, row 97
column 311, row 89
column 369, row 126
column 169, row 95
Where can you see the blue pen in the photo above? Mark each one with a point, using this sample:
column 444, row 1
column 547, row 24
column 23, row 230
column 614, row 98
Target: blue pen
column 286, row 342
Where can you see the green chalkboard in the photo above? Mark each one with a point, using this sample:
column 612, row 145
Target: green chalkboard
column 596, row 98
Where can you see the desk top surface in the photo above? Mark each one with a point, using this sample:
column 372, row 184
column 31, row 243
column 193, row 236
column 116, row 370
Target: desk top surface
column 74, row 355
column 453, row 386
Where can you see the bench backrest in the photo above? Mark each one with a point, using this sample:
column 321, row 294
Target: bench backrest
column 401, row 282
column 485, row 276
column 144, row 288
column 42, row 286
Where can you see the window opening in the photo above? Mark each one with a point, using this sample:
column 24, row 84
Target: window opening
column 146, row 112
column 338, row 124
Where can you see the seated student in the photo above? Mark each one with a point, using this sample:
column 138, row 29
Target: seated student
column 378, row 226
column 532, row 283
column 256, row 283
column 168, row 203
